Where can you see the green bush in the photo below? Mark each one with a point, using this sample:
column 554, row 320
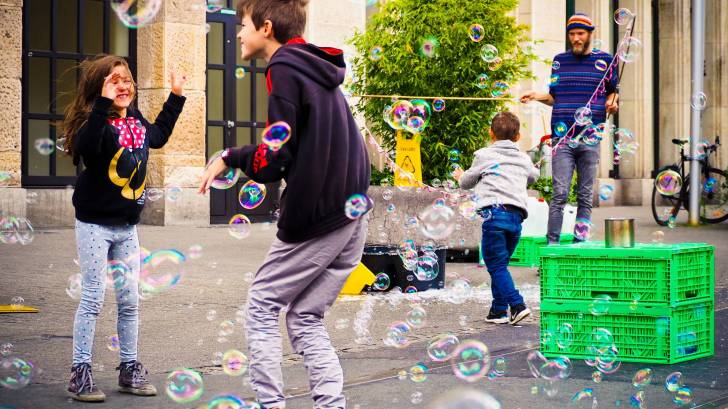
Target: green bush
column 399, row 28
column 545, row 187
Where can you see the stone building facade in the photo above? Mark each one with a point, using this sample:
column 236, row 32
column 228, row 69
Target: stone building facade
column 41, row 39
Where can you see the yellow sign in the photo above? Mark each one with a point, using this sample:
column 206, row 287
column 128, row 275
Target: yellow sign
column 409, row 164
column 360, row 277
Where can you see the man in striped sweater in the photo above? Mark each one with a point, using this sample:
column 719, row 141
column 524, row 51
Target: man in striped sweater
column 581, row 77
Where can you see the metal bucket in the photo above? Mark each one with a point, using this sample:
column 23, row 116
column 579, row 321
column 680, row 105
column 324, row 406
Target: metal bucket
column 619, row 232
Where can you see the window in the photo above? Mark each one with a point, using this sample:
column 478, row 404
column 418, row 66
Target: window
column 57, row 36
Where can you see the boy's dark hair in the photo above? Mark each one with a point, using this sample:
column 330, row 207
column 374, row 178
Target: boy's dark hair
column 288, row 16
column 505, row 125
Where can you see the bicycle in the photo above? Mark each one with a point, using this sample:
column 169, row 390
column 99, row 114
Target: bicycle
column 714, row 188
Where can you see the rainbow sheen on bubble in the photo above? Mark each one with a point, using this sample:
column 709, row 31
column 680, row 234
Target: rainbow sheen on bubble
column 683, row 396
column 251, row 195
column 429, row 47
column 234, row 363
column 161, row 270
column 642, row 378
column 668, row 182
column 476, row 32
column 112, row 343
column 438, row 105
column 357, row 205
column 584, row 394
column 560, row 129
column 606, row 192
column 441, row 348
column 240, row 73
column 489, row 53
column 416, row 317
column 471, row 360
column 419, row 116
column 135, row 14
column 376, row 53
column 228, row 178
column 583, row 116
column 418, row 373
column 381, row 282
column 565, row 336
column 397, row 335
column 276, row 135
column 500, row 89
column 629, row 49
column 45, row 146
column 184, row 385
column 15, row 373
column 674, row 381
column 239, row 226
column 623, row 16
column 601, row 65
column 482, row 81
column 583, row 229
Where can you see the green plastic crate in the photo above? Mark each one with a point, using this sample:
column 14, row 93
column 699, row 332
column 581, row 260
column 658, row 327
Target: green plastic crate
column 527, row 252
column 663, row 335
column 658, row 274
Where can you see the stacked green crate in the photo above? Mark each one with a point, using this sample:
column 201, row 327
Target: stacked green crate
column 655, row 300
column 527, row 250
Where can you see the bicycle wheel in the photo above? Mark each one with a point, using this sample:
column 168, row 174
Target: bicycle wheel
column 714, row 196
column 665, row 208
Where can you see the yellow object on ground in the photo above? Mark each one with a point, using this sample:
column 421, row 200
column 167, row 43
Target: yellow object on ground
column 360, row 277
column 409, row 172
column 11, row 309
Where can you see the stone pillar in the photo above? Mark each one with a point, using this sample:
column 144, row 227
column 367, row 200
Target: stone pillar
column 674, row 36
column 546, row 21
column 12, row 196
column 715, row 116
column 176, row 41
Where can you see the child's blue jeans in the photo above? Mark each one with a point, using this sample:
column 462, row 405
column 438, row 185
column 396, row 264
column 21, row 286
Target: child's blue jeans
column 501, row 231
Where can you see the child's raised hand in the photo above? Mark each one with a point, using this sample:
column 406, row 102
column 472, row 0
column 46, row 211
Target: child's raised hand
column 108, row 90
column 217, row 167
column 178, row 82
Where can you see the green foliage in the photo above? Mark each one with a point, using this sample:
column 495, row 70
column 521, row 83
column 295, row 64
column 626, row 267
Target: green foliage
column 545, row 188
column 379, row 175
column 399, row 28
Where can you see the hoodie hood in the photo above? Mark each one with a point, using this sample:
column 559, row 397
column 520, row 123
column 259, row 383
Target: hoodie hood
column 326, row 66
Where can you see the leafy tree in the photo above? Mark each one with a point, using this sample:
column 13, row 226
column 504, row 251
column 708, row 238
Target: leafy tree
column 399, row 30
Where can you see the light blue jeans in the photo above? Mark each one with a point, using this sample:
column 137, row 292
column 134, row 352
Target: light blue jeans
column 97, row 245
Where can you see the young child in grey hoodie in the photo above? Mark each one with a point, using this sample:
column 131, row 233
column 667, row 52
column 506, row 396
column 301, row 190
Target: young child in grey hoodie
column 499, row 176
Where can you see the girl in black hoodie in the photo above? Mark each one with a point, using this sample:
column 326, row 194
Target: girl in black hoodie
column 113, row 139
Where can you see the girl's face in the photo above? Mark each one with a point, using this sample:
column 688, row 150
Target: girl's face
column 124, row 87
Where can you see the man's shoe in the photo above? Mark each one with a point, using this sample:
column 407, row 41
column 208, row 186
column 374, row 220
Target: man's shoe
column 497, row 317
column 82, row 387
column 518, row 313
column 133, row 379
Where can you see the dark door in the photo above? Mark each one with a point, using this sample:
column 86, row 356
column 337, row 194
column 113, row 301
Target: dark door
column 237, row 111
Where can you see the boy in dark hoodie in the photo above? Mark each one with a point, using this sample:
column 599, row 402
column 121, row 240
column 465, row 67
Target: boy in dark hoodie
column 324, row 163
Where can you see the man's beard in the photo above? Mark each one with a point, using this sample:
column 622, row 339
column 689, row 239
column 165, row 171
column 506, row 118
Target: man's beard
column 585, row 48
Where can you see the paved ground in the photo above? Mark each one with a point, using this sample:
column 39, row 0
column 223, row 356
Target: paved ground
column 176, row 332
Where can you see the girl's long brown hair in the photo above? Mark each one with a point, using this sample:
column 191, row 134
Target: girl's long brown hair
column 93, row 73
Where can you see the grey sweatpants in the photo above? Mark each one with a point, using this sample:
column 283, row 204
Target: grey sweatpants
column 305, row 278
column 584, row 159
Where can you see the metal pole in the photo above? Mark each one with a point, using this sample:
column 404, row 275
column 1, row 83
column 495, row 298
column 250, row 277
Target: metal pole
column 698, row 53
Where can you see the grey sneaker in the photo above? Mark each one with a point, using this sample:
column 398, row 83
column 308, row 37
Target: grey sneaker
column 82, row 387
column 133, row 379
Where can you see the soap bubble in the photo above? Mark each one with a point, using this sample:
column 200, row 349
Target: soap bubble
column 476, row 32
column 499, row 366
column 234, row 363
column 555, row 65
column 15, row 373
column 437, row 221
column 17, row 302
column 586, row 393
column 471, row 360
column 398, row 335
column 642, row 378
column 482, row 81
column 6, row 349
column 276, row 135
column 638, row 400
column 382, row 281
column 427, row 267
column 467, row 399
column 45, row 146
column 623, row 16
column 699, row 101
column 154, row 194
column 429, row 47
column 251, row 195
column 357, row 205
column 416, row 397
column 601, row 65
column 416, row 317
column 683, row 396
column 535, row 360
column 600, row 305
column 240, row 73
column 376, row 53
column 489, row 53
column 583, row 116
column 673, row 382
column 438, row 105
column 161, row 270
column 74, row 287
column 135, row 15
column 565, row 336
column 556, row 369
column 442, row 347
column 419, row 117
column 583, row 229
column 629, row 49
column 560, row 129
column 239, row 226
column 112, row 343
column 596, row 376
column 184, row 385
column 418, row 373
column 606, row 192
column 399, row 114
column 668, row 182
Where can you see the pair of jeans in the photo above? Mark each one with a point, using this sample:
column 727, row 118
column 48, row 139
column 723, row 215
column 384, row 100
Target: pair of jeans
column 97, row 245
column 584, row 159
column 501, row 232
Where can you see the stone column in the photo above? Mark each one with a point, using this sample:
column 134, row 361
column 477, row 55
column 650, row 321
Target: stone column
column 176, row 41
column 674, row 76
column 12, row 196
column 547, row 21
column 715, row 116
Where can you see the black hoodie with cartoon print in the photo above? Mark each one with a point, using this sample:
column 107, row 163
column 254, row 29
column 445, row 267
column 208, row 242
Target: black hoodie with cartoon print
column 111, row 188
